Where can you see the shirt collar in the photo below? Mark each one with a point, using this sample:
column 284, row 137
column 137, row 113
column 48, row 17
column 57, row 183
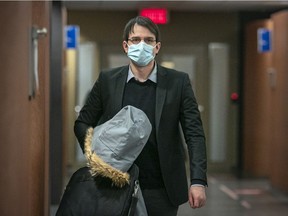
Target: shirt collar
column 152, row 76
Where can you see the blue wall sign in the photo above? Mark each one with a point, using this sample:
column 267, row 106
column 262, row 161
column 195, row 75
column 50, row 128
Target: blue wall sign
column 264, row 40
column 72, row 37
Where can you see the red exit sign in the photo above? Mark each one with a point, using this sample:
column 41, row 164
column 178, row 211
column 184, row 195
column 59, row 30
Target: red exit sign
column 157, row 15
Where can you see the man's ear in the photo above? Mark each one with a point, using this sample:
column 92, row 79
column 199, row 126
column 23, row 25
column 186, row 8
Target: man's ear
column 158, row 46
column 125, row 46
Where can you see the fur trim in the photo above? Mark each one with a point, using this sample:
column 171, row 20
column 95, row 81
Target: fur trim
column 98, row 167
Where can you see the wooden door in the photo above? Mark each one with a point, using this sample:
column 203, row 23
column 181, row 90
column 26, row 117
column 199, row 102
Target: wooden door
column 256, row 104
column 279, row 151
column 24, row 122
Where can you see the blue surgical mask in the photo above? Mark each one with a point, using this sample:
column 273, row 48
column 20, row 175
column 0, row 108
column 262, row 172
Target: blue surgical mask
column 141, row 54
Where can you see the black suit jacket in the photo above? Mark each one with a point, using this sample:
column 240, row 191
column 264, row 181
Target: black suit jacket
column 175, row 102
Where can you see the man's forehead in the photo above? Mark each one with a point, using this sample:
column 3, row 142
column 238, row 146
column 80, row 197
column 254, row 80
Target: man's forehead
column 138, row 29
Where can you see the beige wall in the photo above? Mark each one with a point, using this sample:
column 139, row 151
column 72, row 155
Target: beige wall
column 183, row 27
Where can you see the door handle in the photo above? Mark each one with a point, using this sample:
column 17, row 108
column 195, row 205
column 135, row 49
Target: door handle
column 36, row 34
column 272, row 77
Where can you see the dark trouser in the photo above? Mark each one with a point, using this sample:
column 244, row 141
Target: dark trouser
column 157, row 203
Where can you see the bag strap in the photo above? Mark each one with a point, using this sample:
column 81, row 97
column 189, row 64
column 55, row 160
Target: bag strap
column 134, row 201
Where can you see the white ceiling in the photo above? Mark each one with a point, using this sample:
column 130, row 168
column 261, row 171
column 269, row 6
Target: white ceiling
column 191, row 5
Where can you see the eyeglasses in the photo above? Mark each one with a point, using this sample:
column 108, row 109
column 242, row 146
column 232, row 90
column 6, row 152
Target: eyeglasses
column 137, row 40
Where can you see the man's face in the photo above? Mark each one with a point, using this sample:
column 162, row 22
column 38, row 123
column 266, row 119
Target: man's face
column 142, row 34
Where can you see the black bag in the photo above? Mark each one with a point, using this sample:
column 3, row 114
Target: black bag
column 86, row 195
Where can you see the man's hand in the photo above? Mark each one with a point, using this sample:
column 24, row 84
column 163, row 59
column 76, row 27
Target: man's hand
column 197, row 196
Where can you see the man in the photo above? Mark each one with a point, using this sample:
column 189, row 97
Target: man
column 167, row 98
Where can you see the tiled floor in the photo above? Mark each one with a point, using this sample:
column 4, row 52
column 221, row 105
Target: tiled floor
column 228, row 196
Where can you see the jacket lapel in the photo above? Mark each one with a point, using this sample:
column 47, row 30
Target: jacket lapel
column 160, row 94
column 120, row 81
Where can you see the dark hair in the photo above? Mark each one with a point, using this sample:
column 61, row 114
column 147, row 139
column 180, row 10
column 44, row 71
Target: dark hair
column 142, row 21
